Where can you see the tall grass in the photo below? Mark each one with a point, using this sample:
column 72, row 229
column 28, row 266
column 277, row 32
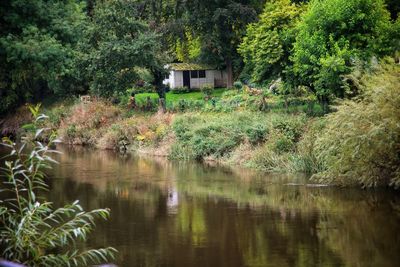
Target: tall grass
column 32, row 231
column 361, row 141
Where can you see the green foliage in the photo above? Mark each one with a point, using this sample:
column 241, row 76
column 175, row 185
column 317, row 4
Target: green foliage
column 266, row 159
column 32, row 231
column 331, row 35
column 207, row 91
column 180, row 90
column 218, row 135
column 122, row 48
column 217, row 26
column 267, row 44
column 360, row 142
column 238, row 85
column 38, row 48
column 306, row 159
column 189, row 48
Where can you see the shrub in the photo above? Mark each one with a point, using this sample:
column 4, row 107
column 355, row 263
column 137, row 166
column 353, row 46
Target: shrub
column 217, row 135
column 207, row 91
column 256, row 133
column 33, row 232
column 85, row 122
column 238, row 85
column 283, row 143
column 290, row 126
column 113, row 138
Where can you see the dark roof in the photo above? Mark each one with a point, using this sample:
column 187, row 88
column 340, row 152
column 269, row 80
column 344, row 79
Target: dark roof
column 189, row 66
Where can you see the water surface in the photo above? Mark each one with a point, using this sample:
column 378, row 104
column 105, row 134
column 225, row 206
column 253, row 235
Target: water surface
column 185, row 214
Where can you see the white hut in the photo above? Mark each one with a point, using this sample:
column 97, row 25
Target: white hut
column 194, row 76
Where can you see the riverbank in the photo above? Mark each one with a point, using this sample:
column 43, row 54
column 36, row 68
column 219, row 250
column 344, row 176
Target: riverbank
column 358, row 144
column 265, row 141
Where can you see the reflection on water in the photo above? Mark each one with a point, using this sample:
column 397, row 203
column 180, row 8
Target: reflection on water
column 185, row 214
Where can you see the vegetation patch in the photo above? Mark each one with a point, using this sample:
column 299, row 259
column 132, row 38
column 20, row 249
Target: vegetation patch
column 201, row 136
column 360, row 143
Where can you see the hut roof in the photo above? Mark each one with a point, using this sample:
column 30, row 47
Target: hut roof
column 189, row 66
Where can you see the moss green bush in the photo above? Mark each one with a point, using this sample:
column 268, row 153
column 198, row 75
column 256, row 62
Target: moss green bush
column 218, row 135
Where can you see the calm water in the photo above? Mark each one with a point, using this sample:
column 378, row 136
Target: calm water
column 184, row 214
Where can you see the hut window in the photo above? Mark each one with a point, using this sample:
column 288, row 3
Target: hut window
column 202, row 73
column 194, row 74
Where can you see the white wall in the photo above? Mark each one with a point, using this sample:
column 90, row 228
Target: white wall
column 201, row 82
column 178, row 78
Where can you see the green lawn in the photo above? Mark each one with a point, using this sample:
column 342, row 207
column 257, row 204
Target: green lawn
column 176, row 97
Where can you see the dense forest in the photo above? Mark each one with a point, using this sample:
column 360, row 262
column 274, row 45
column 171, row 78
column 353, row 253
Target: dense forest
column 103, row 47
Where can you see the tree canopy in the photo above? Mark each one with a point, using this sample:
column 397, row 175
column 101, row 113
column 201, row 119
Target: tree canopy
column 73, row 46
column 268, row 42
column 120, row 47
column 217, row 28
column 335, row 33
column 37, row 48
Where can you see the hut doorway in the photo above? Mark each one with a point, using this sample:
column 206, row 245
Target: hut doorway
column 186, row 78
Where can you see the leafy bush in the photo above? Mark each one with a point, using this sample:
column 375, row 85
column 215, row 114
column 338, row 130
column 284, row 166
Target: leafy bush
column 217, row 135
column 207, row 91
column 283, row 143
column 85, row 122
column 291, row 127
column 33, row 232
column 135, row 132
column 238, row 85
column 332, row 34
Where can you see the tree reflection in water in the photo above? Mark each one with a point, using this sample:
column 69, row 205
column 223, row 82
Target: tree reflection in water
column 185, row 214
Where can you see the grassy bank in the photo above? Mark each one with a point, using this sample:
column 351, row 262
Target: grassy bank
column 357, row 144
column 243, row 136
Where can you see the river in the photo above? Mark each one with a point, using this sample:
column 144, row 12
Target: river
column 180, row 214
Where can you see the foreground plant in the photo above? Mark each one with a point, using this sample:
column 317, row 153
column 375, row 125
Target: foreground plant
column 32, row 231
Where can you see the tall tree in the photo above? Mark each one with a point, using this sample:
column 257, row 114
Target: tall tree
column 332, row 35
column 121, row 46
column 220, row 26
column 37, row 48
column 268, row 42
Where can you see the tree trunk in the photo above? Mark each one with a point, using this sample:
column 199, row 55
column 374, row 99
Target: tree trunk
column 161, row 106
column 229, row 71
column 158, row 83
